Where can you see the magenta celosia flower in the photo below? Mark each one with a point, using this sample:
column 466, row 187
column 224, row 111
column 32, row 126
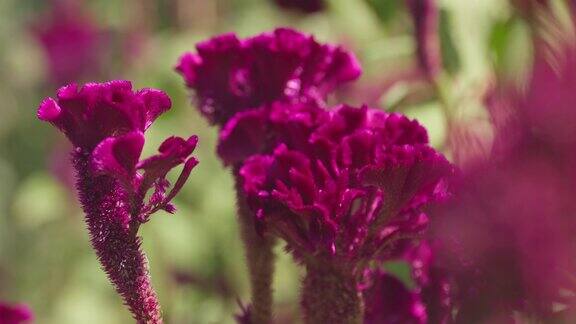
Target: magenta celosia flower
column 106, row 123
column 359, row 182
column 341, row 196
column 426, row 16
column 71, row 41
column 249, row 88
column 523, row 206
column 522, row 199
column 261, row 130
column 307, row 6
column 229, row 75
column 15, row 314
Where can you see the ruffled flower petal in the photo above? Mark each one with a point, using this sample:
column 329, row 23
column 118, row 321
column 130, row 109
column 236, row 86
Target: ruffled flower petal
column 357, row 184
column 118, row 156
column 229, row 75
column 96, row 111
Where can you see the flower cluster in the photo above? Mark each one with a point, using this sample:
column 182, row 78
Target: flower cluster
column 340, row 186
column 230, row 75
column 15, row 314
column 106, row 122
column 358, row 182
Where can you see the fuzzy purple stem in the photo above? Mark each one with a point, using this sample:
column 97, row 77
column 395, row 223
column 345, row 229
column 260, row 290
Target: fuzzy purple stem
column 426, row 15
column 260, row 260
column 330, row 295
column 117, row 245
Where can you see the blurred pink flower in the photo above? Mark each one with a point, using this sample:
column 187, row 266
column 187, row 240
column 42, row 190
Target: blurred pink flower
column 15, row 314
column 425, row 14
column 507, row 238
column 72, row 42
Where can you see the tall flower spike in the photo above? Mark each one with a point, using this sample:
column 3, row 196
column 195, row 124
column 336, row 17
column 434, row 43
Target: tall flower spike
column 15, row 314
column 426, row 19
column 106, row 123
column 343, row 197
column 229, row 75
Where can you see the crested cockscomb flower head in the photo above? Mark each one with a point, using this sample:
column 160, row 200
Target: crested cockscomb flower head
column 425, row 15
column 230, row 75
column 358, row 183
column 106, row 123
column 71, row 40
column 15, row 314
column 87, row 115
column 306, row 6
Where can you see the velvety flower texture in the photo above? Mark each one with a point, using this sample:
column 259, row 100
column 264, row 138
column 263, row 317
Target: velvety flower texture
column 71, row 40
column 357, row 183
column 307, row 6
column 15, row 314
column 106, row 123
column 260, row 130
column 229, row 75
column 426, row 24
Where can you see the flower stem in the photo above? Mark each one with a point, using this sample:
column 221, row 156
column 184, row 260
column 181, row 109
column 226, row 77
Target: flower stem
column 117, row 246
column 260, row 261
column 330, row 295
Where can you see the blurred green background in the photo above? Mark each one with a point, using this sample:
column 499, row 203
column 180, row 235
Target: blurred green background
column 195, row 255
